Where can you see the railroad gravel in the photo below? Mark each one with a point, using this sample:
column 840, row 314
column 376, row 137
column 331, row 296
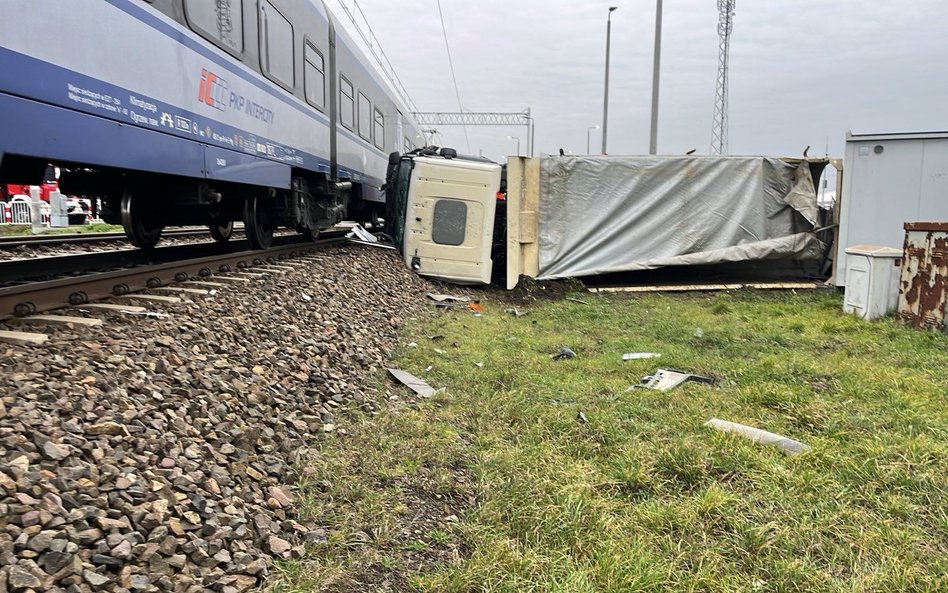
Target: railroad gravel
column 28, row 251
column 156, row 453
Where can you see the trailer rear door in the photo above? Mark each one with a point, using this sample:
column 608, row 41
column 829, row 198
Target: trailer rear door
column 450, row 219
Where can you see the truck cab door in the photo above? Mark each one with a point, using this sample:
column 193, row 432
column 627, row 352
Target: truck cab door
column 449, row 219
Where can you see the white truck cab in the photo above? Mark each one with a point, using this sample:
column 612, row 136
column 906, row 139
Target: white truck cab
column 444, row 209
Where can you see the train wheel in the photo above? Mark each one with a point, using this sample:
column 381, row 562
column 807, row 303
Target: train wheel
column 140, row 231
column 310, row 234
column 257, row 223
column 222, row 232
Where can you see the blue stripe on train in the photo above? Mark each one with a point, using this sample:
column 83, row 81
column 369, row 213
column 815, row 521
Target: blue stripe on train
column 62, row 133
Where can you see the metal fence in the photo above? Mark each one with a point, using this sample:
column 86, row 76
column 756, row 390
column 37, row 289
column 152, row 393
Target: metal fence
column 22, row 213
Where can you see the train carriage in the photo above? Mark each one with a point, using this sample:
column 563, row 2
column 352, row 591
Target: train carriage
column 198, row 112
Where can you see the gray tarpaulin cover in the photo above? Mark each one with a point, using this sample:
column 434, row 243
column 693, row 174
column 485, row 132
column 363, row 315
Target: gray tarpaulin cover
column 615, row 214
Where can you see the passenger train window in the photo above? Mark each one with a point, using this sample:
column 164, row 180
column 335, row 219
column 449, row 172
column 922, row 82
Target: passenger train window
column 379, row 129
column 221, row 22
column 314, row 77
column 346, row 103
column 365, row 117
column 276, row 45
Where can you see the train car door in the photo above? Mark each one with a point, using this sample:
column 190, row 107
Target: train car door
column 449, row 219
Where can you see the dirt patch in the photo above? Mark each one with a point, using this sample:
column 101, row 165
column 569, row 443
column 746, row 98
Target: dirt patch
column 530, row 290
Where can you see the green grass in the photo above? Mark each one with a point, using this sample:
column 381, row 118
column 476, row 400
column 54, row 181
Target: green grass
column 15, row 230
column 644, row 497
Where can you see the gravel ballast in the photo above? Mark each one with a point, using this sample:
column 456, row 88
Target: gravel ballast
column 156, row 453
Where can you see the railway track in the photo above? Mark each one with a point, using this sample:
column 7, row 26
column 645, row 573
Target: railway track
column 82, row 238
column 94, row 276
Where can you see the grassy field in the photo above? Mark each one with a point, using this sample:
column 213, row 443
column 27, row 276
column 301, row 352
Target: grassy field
column 497, row 485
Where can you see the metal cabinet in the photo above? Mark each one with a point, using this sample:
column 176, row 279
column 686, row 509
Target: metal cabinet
column 923, row 286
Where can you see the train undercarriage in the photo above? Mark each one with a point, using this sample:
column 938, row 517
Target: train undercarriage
column 143, row 204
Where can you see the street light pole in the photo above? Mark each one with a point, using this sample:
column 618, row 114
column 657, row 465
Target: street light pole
column 656, row 69
column 605, row 99
column 588, row 131
column 518, row 143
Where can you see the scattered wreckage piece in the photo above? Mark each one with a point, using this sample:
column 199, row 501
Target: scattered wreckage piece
column 640, row 355
column 758, row 435
column 412, row 382
column 564, row 353
column 666, row 380
column 516, row 312
column 359, row 235
column 447, row 298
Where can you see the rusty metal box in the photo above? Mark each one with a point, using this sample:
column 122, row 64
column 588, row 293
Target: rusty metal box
column 923, row 286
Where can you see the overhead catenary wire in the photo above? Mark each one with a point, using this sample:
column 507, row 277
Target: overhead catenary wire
column 454, row 77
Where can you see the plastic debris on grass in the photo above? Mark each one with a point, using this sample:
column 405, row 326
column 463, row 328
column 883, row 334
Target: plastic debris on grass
column 788, row 445
column 665, row 380
column 516, row 312
column 640, row 355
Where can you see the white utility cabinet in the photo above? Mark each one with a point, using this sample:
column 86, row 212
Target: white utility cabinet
column 872, row 280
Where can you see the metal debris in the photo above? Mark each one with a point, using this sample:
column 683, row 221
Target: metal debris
column 757, row 435
column 581, row 417
column 515, row 312
column 412, row 382
column 665, row 380
column 565, row 352
column 640, row 355
column 358, row 231
column 580, row 301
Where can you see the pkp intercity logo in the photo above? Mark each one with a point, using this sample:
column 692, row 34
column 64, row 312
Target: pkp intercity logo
column 213, row 91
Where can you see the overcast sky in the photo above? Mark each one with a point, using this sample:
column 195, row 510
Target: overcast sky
column 802, row 72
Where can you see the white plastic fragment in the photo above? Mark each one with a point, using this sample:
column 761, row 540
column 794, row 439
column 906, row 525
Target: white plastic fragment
column 442, row 298
column 665, row 380
column 412, row 382
column 757, row 435
column 306, row 297
column 412, row 345
column 479, row 365
column 362, row 234
column 640, row 355
column 440, row 351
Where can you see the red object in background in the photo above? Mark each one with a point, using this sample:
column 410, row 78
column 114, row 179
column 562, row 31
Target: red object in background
column 13, row 189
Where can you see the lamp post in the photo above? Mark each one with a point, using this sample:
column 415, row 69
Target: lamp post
column 518, row 143
column 656, row 69
column 588, row 131
column 605, row 98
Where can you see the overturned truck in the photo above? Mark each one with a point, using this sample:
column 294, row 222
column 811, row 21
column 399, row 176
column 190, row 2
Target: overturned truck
column 560, row 217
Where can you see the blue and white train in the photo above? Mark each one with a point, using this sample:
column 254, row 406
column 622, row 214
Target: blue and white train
column 198, row 112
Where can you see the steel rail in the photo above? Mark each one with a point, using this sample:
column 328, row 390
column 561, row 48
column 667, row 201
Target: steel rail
column 28, row 299
column 52, row 240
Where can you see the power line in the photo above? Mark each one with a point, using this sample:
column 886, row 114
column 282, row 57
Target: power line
column 375, row 48
column 453, row 75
